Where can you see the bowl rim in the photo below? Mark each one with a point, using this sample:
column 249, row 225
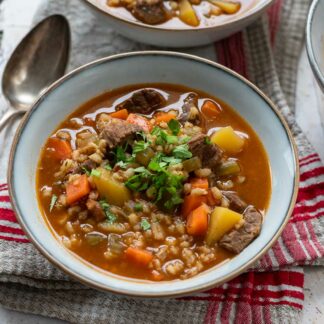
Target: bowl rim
column 245, row 16
column 309, row 44
column 155, row 294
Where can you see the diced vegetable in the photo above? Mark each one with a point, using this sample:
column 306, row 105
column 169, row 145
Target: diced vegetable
column 229, row 7
column 192, row 164
column 197, row 221
column 201, row 183
column 140, row 121
column 77, row 189
column 187, row 14
column 138, row 256
column 112, row 190
column 221, row 221
column 228, row 168
column 210, row 109
column 192, row 202
column 145, row 156
column 121, row 114
column 62, row 148
column 228, row 140
column 164, row 117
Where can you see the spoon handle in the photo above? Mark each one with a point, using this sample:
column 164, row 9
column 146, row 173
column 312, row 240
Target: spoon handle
column 5, row 118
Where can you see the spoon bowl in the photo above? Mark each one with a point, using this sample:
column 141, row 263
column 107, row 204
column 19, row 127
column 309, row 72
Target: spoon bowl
column 38, row 61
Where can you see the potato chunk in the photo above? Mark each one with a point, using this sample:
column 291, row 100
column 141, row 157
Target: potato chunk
column 187, row 13
column 229, row 7
column 221, row 221
column 228, row 140
column 112, row 190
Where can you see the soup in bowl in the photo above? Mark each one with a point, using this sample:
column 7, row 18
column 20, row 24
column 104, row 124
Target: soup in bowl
column 153, row 184
column 183, row 23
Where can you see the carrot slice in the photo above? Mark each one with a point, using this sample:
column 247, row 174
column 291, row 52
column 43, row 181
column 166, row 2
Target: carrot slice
column 62, row 148
column 77, row 189
column 191, row 202
column 201, row 183
column 210, row 109
column 121, row 114
column 197, row 222
column 138, row 256
column 140, row 121
column 164, row 117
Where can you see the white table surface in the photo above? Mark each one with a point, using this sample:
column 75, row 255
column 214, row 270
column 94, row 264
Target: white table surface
column 16, row 17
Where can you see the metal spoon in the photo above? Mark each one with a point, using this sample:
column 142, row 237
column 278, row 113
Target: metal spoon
column 39, row 60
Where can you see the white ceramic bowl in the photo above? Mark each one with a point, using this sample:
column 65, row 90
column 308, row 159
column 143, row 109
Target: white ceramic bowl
column 90, row 80
column 173, row 37
column 315, row 40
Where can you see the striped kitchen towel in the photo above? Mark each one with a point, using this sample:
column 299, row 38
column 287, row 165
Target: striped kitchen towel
column 266, row 53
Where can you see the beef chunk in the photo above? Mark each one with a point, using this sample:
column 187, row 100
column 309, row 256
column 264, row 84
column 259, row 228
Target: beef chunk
column 209, row 154
column 235, row 202
column 116, row 132
column 143, row 102
column 95, row 210
column 187, row 112
column 236, row 240
column 151, row 12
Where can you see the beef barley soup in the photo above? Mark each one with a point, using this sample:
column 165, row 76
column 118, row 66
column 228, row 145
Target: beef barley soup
column 178, row 13
column 155, row 182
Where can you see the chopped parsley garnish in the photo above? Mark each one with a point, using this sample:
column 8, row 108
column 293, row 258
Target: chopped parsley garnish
column 111, row 217
column 145, row 224
column 208, row 141
column 182, row 152
column 95, row 173
column 156, row 130
column 53, row 202
column 171, row 160
column 162, row 137
column 171, row 139
column 108, row 167
column 140, row 146
column 120, row 154
column 122, row 159
column 155, row 179
column 174, row 126
column 160, row 184
column 138, row 207
column 184, row 139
